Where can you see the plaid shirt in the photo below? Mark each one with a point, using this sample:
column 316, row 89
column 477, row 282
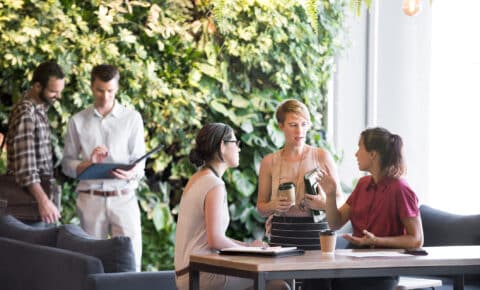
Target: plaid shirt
column 29, row 153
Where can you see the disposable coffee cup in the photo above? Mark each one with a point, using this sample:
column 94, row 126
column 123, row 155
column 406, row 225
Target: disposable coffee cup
column 287, row 190
column 328, row 240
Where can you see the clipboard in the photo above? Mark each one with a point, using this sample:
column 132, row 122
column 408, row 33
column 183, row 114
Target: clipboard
column 266, row 252
column 103, row 170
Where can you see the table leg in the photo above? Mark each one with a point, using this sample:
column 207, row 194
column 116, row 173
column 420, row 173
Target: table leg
column 259, row 282
column 194, row 279
column 458, row 282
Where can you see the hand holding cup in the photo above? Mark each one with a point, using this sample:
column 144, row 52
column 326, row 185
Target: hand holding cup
column 285, row 197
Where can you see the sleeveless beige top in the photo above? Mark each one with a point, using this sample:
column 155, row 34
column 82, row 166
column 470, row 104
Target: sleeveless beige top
column 285, row 171
column 191, row 235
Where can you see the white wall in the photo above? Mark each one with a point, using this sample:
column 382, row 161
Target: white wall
column 350, row 85
column 389, row 88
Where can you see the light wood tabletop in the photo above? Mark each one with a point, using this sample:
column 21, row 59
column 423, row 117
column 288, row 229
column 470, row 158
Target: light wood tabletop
column 450, row 260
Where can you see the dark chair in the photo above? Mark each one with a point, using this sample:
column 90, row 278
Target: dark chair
column 64, row 257
column 441, row 228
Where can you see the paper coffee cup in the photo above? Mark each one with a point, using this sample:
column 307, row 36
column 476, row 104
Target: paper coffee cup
column 287, row 191
column 328, row 240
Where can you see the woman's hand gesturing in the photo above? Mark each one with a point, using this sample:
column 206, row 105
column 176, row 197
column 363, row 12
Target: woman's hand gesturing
column 327, row 183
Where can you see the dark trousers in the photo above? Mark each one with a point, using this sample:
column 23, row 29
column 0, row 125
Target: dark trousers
column 39, row 224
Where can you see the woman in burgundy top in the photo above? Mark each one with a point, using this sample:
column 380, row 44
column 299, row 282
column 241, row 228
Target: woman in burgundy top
column 382, row 208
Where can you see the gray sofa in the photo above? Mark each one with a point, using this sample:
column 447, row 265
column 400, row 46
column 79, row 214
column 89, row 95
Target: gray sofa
column 441, row 228
column 64, row 257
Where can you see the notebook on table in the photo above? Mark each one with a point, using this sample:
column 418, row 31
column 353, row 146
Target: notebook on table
column 104, row 170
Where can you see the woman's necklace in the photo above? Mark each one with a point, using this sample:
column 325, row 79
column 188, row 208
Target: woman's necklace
column 297, row 177
column 213, row 170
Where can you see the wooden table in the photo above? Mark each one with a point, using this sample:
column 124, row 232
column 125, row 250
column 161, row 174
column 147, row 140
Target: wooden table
column 452, row 260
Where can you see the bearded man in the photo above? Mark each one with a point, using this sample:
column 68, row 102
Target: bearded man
column 29, row 150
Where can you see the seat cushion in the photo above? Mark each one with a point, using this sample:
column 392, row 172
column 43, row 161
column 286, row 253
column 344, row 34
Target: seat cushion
column 12, row 228
column 164, row 280
column 116, row 253
column 30, row 266
column 441, row 228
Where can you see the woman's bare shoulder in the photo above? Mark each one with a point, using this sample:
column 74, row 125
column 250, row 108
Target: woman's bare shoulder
column 322, row 154
column 196, row 177
column 268, row 159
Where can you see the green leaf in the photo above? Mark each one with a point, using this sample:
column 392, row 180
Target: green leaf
column 161, row 216
column 219, row 107
column 247, row 126
column 243, row 184
column 275, row 134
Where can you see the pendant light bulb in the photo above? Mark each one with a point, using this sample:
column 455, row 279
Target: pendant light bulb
column 411, row 7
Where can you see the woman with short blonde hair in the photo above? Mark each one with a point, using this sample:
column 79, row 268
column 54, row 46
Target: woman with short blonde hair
column 291, row 106
column 289, row 166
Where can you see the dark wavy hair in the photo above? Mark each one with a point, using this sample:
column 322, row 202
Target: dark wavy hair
column 390, row 148
column 104, row 72
column 208, row 143
column 45, row 71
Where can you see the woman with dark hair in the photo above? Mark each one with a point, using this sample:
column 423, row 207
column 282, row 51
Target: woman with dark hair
column 382, row 208
column 203, row 215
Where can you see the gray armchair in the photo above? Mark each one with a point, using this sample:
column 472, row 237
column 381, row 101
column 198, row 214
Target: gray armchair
column 64, row 258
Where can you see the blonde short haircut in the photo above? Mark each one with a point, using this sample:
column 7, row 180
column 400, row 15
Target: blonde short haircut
column 291, row 106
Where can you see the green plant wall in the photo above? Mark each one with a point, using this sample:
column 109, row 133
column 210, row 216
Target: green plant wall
column 182, row 64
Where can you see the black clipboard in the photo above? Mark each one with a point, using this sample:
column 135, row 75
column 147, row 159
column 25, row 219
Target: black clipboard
column 103, row 170
column 254, row 251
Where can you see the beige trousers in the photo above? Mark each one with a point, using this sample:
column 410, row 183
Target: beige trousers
column 104, row 217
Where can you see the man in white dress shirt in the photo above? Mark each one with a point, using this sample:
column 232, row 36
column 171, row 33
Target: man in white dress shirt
column 107, row 132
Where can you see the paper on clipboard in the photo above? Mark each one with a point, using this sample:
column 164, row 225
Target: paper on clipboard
column 103, row 170
column 371, row 254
